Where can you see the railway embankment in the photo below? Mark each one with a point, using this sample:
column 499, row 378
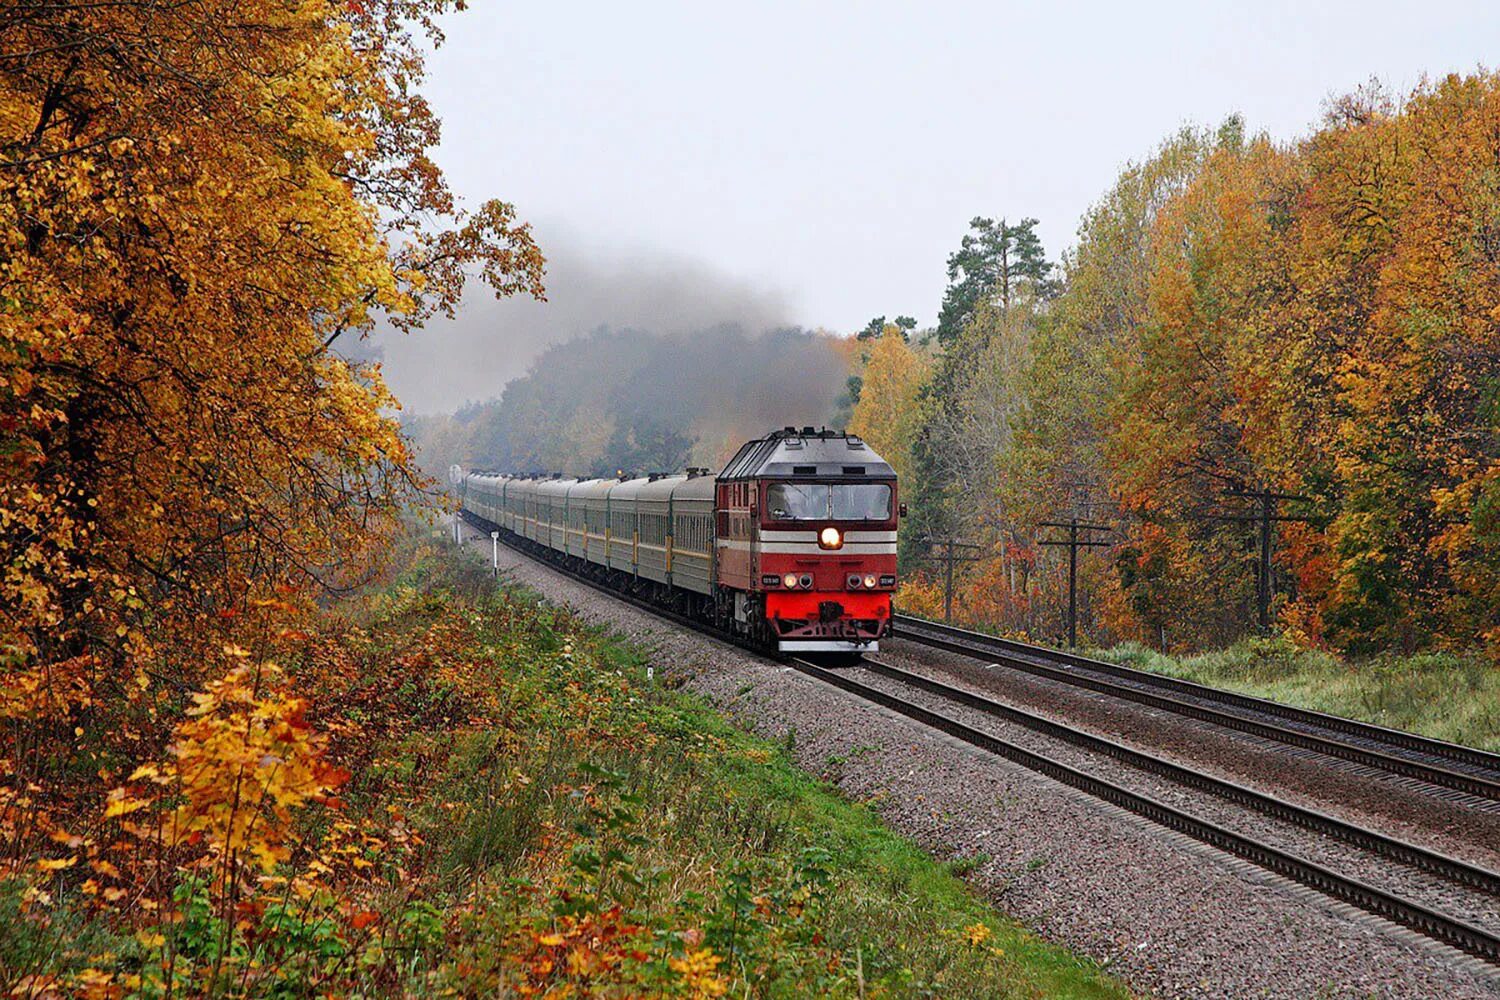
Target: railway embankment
column 1168, row 915
column 526, row 804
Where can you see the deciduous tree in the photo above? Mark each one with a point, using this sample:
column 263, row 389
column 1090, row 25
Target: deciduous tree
column 887, row 414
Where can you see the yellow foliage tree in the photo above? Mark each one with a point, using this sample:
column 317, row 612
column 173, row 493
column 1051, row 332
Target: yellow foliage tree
column 201, row 203
column 887, row 414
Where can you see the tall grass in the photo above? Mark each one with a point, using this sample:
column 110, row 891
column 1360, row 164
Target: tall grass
column 1449, row 696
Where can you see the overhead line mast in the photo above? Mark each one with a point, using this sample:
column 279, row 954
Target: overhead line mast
column 1074, row 543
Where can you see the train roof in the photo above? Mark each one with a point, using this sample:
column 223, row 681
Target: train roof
column 694, row 487
column 629, row 488
column 593, row 488
column 661, row 487
column 555, row 487
column 791, row 453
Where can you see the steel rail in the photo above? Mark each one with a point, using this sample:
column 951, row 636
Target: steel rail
column 1453, row 869
column 1023, row 657
column 1422, row 919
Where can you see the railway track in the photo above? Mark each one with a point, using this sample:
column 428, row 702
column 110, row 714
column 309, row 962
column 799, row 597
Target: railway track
column 1424, row 919
column 1460, row 774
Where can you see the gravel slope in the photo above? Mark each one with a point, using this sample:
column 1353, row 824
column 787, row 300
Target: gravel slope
column 1167, row 915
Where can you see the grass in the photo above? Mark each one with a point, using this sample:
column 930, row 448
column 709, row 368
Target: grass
column 529, row 812
column 708, row 837
column 1449, row 696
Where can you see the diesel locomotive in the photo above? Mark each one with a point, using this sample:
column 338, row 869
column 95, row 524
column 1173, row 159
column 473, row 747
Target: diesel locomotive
column 792, row 546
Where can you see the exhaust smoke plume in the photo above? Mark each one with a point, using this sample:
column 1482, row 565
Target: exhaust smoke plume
column 638, row 362
column 471, row 358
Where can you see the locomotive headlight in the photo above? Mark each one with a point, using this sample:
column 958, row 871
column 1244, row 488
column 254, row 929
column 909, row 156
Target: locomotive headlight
column 869, row 581
column 790, row 579
column 830, row 538
column 853, row 581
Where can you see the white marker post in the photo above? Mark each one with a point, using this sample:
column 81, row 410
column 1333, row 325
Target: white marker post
column 495, row 540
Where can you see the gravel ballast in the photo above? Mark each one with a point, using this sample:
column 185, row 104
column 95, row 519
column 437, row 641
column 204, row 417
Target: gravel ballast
column 1309, row 779
column 1167, row 915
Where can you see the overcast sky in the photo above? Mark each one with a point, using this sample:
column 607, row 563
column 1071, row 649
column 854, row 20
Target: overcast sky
column 816, row 162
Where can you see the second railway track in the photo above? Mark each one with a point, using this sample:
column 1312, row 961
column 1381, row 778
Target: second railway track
column 1469, row 776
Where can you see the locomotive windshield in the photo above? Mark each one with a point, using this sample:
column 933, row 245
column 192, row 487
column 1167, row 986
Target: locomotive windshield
column 829, row 502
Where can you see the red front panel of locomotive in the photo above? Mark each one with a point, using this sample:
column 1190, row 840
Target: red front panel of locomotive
column 826, row 561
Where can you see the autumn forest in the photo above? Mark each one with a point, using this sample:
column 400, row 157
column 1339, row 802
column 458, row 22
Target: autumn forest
column 262, row 734
column 1240, row 317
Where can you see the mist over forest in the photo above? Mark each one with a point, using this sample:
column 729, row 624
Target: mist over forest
column 642, row 401
column 638, row 360
column 471, row 357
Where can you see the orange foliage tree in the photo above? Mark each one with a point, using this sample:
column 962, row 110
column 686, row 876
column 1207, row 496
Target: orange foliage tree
column 1322, row 319
column 203, row 204
column 200, row 202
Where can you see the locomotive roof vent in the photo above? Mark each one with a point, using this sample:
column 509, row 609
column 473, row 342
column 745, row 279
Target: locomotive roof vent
column 808, row 431
column 788, row 452
column 694, row 471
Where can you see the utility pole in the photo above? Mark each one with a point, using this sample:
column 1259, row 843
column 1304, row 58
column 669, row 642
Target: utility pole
column 948, row 558
column 1074, row 542
column 1263, row 517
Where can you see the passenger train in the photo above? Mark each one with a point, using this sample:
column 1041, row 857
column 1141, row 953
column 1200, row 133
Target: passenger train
column 792, row 546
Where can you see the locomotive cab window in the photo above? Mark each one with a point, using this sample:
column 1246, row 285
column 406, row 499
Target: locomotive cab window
column 829, row 502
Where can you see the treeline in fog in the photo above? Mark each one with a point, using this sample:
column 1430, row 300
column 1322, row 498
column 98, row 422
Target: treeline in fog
column 636, row 401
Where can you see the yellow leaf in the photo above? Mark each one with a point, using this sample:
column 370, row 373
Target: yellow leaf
column 122, row 804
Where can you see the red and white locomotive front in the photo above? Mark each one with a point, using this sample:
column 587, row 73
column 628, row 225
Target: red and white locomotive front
column 807, row 540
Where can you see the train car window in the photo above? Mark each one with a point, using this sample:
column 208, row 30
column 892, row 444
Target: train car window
column 829, row 502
